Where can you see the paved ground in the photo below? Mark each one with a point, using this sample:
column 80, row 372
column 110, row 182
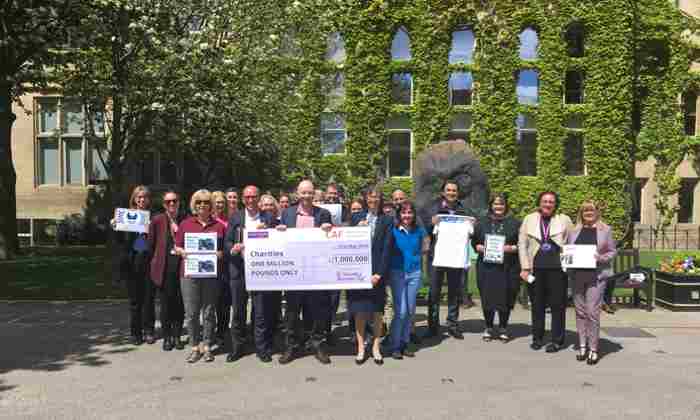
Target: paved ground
column 70, row 361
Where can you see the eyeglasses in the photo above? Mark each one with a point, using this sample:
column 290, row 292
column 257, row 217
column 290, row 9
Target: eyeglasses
column 171, row 201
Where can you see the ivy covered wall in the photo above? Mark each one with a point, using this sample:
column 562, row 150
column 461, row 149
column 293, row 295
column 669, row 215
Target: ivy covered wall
column 635, row 65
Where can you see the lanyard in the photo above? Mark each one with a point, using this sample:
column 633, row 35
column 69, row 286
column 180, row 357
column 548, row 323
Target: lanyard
column 545, row 229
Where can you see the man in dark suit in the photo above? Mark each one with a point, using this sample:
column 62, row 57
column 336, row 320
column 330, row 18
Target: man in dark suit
column 306, row 215
column 265, row 303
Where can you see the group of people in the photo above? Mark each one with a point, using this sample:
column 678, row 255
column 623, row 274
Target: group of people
column 402, row 248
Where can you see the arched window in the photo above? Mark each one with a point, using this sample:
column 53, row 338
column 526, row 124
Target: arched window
column 528, row 44
column 574, row 39
column 462, row 50
column 335, row 48
column 401, row 45
column 528, row 87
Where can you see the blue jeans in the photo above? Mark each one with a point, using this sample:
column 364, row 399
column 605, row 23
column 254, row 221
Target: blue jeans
column 404, row 288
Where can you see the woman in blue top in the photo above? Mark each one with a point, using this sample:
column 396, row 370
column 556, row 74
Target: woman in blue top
column 410, row 243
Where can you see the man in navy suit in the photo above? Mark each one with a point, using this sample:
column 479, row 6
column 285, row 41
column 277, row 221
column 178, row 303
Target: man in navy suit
column 265, row 303
column 306, row 215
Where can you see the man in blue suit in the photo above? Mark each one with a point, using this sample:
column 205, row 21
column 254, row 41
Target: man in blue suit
column 265, row 303
column 301, row 216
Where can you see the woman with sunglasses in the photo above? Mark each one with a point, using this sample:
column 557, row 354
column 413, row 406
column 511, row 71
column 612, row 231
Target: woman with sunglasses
column 200, row 294
column 165, row 270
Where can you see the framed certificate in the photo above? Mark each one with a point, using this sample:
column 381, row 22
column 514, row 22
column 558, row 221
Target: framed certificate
column 200, row 243
column 129, row 220
column 494, row 248
column 201, row 265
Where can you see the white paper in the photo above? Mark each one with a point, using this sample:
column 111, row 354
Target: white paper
column 201, row 265
column 578, row 256
column 200, row 243
column 129, row 220
column 494, row 248
column 336, row 211
column 452, row 246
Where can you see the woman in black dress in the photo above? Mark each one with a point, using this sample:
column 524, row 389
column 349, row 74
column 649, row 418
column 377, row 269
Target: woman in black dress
column 497, row 273
column 369, row 304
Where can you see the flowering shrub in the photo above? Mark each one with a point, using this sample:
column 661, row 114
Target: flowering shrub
column 682, row 263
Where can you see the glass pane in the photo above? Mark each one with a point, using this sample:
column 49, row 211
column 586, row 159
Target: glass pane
column 528, row 44
column 574, row 40
column 400, row 154
column 528, row 87
column 98, row 170
column 48, row 157
column 48, row 116
column 334, row 90
column 398, row 122
column 168, row 170
column 574, row 121
column 335, row 50
column 686, row 197
column 689, row 111
column 573, row 152
column 333, row 142
column 73, row 118
column 527, row 153
column 401, row 45
column 462, row 50
column 332, row 122
column 24, row 225
column 461, row 84
column 461, row 121
column 574, row 87
column 73, row 150
column 525, row 122
column 401, row 86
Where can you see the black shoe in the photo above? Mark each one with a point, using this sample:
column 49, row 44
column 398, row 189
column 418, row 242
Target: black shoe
column 235, row 354
column 322, row 356
column 592, row 358
column 552, row 348
column 415, row 339
column 536, row 345
column 136, row 340
column 286, row 357
column 581, row 356
column 397, row 355
column 455, row 333
column 168, row 344
column 265, row 357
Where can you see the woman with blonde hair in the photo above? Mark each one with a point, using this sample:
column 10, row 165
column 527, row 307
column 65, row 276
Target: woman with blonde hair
column 589, row 284
column 269, row 204
column 134, row 256
column 200, row 293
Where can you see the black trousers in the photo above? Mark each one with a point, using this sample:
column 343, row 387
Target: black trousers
column 549, row 289
column 239, row 306
column 223, row 308
column 266, row 312
column 172, row 309
column 455, row 282
column 141, row 293
column 490, row 315
column 317, row 305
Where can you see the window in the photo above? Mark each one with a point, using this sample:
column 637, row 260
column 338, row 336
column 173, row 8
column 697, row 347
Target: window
column 689, row 105
column 573, row 154
column 460, row 126
column 65, row 155
column 334, row 90
column 573, row 93
column 574, row 37
column 526, row 135
column 527, row 88
column 402, row 88
column 686, row 200
column 399, row 146
column 98, row 159
column 637, row 187
column 333, row 134
column 401, row 45
column 462, row 50
column 460, row 88
column 529, row 42
column 335, row 48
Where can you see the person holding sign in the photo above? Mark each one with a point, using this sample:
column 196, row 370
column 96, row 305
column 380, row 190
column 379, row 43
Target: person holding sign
column 589, row 283
column 541, row 238
column 496, row 240
column 134, row 260
column 165, row 270
column 198, row 276
column 306, row 215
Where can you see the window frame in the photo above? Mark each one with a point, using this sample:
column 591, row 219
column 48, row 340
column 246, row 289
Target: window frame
column 393, row 101
column 692, row 219
column 389, row 132
column 462, row 28
column 518, row 132
column 519, row 74
column 344, row 130
column 450, row 95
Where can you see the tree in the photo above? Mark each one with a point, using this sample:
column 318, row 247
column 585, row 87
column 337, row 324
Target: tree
column 30, row 32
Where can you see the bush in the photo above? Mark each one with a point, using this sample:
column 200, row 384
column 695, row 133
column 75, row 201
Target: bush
column 78, row 229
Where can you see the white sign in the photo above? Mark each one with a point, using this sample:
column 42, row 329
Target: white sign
column 201, row 259
column 200, row 243
column 308, row 259
column 452, row 246
column 579, row 256
column 494, row 248
column 129, row 220
column 336, row 211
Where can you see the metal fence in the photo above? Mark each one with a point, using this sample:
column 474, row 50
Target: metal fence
column 673, row 238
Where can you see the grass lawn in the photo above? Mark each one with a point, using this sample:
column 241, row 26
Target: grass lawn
column 58, row 273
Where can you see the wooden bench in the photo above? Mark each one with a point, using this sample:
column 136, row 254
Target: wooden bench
column 626, row 260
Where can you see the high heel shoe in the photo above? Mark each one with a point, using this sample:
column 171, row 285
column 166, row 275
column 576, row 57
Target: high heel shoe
column 361, row 358
column 378, row 360
column 582, row 355
column 592, row 358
